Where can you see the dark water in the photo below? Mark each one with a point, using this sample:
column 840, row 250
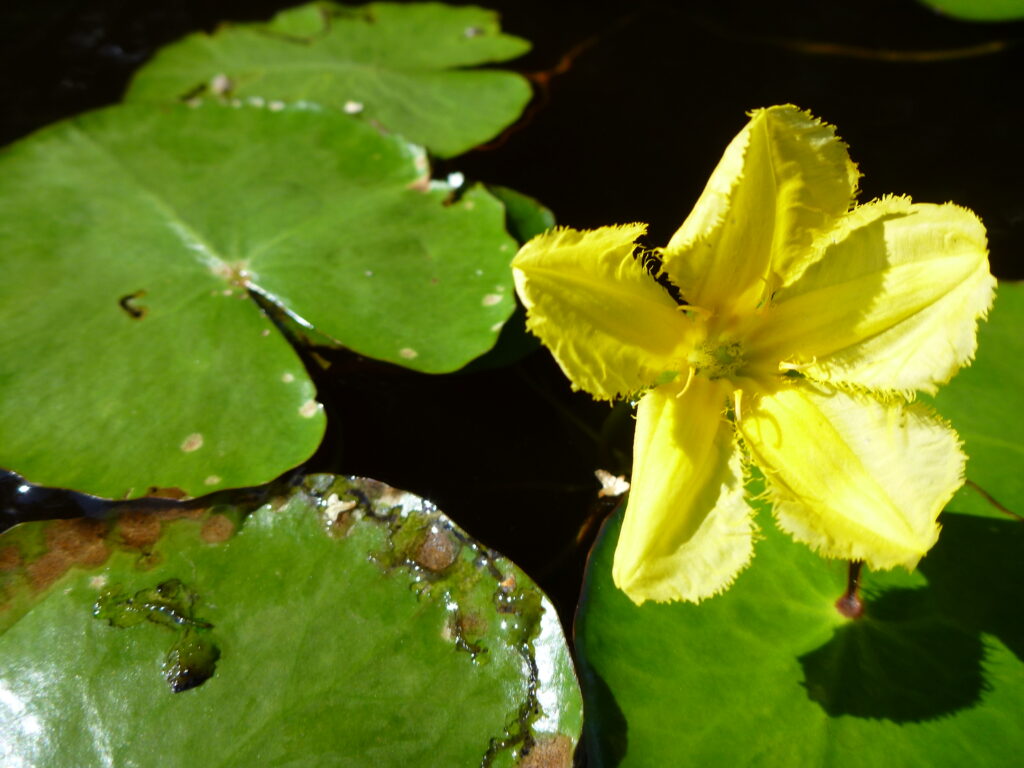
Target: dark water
column 651, row 94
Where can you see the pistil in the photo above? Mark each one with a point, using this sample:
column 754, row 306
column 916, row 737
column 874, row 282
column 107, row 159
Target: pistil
column 717, row 360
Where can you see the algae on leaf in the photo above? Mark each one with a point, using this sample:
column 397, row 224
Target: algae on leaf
column 349, row 623
column 406, row 68
column 132, row 351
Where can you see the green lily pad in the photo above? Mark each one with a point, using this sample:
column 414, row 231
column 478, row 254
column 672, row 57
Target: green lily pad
column 525, row 218
column 984, row 403
column 979, row 10
column 770, row 673
column 404, row 67
column 344, row 623
column 132, row 353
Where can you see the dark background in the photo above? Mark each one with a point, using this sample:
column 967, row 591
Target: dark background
column 635, row 103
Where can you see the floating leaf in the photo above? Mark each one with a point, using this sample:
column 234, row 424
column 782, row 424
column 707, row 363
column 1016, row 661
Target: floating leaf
column 524, row 218
column 771, row 673
column 131, row 350
column 345, row 623
column 984, row 404
column 399, row 66
column 979, row 10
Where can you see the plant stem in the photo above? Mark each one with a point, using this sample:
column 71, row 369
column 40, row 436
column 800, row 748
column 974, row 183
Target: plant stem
column 850, row 604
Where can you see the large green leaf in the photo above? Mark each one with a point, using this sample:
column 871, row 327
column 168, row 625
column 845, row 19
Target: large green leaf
column 979, row 10
column 401, row 66
column 131, row 351
column 345, row 624
column 771, row 674
column 986, row 405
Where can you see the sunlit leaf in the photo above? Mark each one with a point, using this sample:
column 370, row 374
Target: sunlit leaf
column 404, row 67
column 345, row 623
column 771, row 674
column 979, row 10
column 984, row 403
column 132, row 351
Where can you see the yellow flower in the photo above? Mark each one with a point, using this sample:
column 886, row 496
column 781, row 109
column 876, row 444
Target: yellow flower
column 780, row 326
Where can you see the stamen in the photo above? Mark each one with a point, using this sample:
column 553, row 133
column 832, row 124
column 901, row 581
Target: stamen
column 767, row 293
column 695, row 309
column 784, row 366
column 738, row 399
column 689, row 381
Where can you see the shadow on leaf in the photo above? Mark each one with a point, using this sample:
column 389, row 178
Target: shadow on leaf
column 904, row 662
column 918, row 653
column 607, row 735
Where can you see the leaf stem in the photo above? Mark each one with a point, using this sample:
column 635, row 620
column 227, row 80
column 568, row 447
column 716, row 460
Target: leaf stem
column 850, row 605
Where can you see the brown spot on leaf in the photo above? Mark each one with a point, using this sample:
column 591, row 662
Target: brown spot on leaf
column 10, row 558
column 149, row 560
column 83, row 540
column 166, row 493
column 340, row 527
column 131, row 308
column 138, row 529
column 192, row 443
column 438, row 549
column 70, row 542
column 217, row 529
column 179, row 513
column 236, row 273
column 422, row 184
column 47, row 569
column 472, row 624
column 549, row 752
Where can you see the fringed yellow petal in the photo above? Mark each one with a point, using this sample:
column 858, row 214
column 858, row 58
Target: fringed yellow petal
column 784, row 179
column 893, row 302
column 687, row 530
column 853, row 477
column 610, row 326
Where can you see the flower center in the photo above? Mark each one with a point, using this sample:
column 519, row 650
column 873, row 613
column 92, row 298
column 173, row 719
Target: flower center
column 716, row 360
